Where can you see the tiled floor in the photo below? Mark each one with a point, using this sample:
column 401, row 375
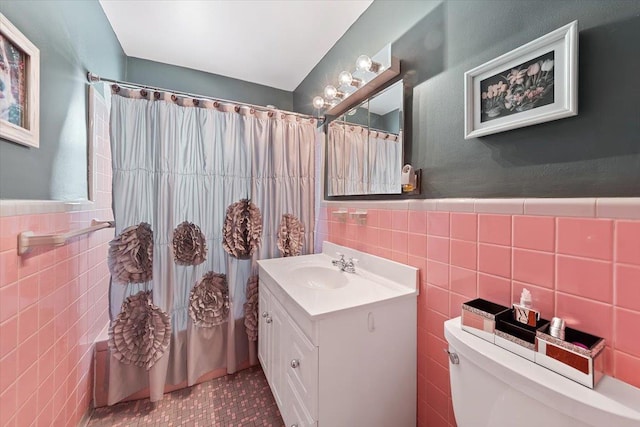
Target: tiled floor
column 243, row 399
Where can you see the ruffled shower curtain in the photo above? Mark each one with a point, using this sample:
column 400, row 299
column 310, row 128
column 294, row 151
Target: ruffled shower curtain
column 178, row 159
column 363, row 161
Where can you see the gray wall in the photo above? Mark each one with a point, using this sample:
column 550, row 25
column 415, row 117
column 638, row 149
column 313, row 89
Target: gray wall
column 198, row 82
column 596, row 153
column 73, row 37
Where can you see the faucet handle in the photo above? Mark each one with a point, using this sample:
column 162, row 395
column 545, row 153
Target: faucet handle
column 340, row 254
column 353, row 260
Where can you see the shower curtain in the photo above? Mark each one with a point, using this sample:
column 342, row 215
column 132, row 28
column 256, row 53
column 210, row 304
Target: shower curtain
column 363, row 161
column 178, row 159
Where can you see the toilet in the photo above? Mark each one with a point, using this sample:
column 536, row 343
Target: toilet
column 495, row 388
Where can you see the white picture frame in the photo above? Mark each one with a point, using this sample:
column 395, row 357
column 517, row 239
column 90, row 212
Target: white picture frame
column 19, row 118
column 507, row 93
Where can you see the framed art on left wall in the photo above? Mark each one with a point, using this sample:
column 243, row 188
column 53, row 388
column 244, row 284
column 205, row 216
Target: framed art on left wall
column 19, row 86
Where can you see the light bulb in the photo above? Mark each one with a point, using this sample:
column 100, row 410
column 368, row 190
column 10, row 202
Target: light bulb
column 318, row 102
column 363, row 63
column 330, row 92
column 345, row 78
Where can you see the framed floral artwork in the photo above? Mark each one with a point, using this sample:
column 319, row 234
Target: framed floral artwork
column 19, row 86
column 535, row 83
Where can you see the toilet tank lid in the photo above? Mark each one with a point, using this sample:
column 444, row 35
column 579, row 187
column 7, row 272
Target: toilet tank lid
column 612, row 401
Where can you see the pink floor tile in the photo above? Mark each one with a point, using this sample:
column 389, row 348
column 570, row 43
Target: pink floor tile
column 464, row 226
column 627, row 238
column 534, row 232
column 494, row 229
column 585, row 237
column 534, row 267
column 240, row 399
column 585, row 277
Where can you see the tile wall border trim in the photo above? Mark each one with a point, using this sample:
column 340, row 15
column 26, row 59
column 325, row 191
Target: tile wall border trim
column 34, row 207
column 583, row 207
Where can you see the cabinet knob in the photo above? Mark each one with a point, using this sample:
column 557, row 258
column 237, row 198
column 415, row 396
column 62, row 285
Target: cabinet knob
column 294, row 425
column 268, row 319
column 265, row 314
column 295, row 363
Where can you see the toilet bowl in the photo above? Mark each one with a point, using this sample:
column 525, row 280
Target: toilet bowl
column 494, row 388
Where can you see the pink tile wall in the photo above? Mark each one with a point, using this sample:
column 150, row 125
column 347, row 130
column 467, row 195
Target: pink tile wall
column 582, row 269
column 53, row 305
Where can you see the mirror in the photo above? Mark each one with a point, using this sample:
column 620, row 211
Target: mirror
column 365, row 146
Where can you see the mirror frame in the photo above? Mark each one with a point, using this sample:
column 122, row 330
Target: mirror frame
column 407, row 101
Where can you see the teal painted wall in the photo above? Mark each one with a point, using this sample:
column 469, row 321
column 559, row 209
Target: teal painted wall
column 73, row 37
column 198, row 82
column 595, row 154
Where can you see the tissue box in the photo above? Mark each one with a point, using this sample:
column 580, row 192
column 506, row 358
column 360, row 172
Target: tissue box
column 479, row 318
column 517, row 337
column 583, row 365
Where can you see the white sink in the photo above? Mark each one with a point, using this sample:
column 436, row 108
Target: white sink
column 316, row 277
column 320, row 288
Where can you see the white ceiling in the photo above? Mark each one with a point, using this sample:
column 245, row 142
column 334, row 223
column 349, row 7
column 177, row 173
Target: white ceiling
column 273, row 43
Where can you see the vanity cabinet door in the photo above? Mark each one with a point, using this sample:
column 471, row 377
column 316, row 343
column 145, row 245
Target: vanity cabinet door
column 264, row 296
column 269, row 340
column 277, row 316
column 296, row 414
column 301, row 366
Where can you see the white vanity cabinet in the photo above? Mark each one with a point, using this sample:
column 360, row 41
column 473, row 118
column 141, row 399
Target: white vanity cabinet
column 353, row 366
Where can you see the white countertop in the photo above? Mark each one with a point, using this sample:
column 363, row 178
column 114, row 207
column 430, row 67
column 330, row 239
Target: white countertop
column 362, row 287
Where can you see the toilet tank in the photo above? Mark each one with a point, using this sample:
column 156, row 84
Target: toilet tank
column 495, row 388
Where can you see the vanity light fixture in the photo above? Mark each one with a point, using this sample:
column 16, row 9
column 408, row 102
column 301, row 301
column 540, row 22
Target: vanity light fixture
column 364, row 63
column 330, row 92
column 345, row 78
column 353, row 88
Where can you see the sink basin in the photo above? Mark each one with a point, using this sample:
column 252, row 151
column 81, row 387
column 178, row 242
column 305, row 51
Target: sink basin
column 316, row 277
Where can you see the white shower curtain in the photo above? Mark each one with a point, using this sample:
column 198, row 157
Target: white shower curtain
column 362, row 161
column 179, row 159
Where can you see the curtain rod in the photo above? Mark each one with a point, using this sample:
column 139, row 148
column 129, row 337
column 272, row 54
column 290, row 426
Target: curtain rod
column 94, row 78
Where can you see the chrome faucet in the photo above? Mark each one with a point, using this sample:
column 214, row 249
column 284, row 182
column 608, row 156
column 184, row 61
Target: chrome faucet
column 343, row 265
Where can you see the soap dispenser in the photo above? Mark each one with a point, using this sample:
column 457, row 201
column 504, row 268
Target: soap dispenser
column 523, row 312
